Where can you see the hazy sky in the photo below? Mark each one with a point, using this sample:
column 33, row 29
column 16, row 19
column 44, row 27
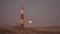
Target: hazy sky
column 41, row 12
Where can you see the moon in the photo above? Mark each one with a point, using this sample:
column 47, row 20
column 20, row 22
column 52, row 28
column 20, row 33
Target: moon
column 30, row 21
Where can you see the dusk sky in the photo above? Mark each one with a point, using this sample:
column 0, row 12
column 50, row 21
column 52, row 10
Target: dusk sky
column 41, row 12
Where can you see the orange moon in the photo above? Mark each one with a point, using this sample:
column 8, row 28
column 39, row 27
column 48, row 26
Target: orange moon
column 30, row 21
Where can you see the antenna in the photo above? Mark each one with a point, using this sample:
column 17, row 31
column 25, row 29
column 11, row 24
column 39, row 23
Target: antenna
column 23, row 2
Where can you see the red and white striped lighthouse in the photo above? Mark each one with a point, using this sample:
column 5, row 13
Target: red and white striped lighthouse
column 22, row 17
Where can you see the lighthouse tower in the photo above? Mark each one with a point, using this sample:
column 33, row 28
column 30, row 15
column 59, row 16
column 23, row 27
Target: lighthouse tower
column 22, row 18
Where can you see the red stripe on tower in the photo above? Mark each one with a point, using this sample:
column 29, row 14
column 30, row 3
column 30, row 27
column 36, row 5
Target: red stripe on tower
column 22, row 16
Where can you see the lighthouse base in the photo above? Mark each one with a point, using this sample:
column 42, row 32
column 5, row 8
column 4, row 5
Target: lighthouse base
column 22, row 26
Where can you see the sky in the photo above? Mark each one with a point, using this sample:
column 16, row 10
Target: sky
column 41, row 12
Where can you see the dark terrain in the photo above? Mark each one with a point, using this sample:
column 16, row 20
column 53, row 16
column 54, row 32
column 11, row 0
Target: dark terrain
column 36, row 30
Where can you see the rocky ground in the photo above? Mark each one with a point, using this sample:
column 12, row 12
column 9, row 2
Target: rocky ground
column 25, row 31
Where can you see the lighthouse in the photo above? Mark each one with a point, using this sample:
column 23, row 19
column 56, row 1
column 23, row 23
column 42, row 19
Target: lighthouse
column 22, row 18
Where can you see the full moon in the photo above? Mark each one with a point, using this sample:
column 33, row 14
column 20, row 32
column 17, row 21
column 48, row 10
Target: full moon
column 30, row 21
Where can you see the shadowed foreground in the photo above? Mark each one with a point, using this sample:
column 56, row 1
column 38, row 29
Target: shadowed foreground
column 12, row 30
